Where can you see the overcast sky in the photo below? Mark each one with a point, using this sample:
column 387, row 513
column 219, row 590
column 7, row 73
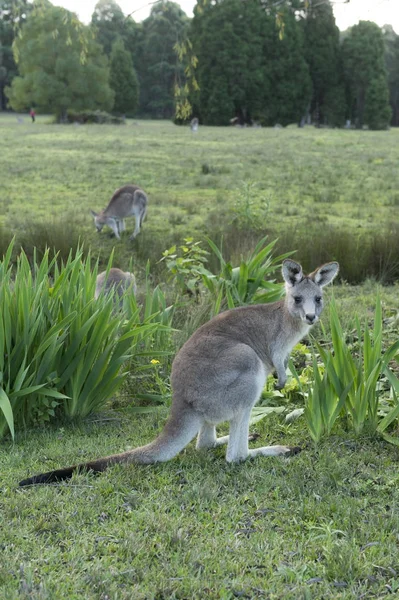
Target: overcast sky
column 381, row 12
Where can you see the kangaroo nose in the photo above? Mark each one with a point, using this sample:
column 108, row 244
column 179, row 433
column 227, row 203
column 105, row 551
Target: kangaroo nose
column 310, row 319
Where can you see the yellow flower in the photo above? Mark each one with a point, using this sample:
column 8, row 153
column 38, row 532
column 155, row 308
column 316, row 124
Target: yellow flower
column 155, row 361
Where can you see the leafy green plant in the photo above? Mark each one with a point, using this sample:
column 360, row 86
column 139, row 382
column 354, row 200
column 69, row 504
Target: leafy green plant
column 250, row 208
column 322, row 406
column 350, row 382
column 186, row 265
column 61, row 351
column 30, row 345
column 249, row 283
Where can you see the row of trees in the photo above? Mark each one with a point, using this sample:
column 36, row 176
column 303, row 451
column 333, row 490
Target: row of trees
column 276, row 62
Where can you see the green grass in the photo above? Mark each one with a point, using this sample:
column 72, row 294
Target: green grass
column 317, row 183
column 321, row 525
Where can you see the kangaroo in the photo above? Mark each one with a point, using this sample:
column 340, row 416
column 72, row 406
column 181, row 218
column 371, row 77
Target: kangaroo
column 194, row 124
column 219, row 373
column 117, row 279
column 127, row 201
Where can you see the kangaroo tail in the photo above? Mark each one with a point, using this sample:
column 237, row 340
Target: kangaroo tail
column 141, row 197
column 143, row 215
column 177, row 433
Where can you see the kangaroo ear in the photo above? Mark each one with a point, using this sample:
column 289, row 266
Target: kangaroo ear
column 292, row 272
column 94, row 213
column 325, row 274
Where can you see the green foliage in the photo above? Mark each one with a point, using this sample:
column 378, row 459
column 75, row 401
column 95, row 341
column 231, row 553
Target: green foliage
column 351, row 380
column 156, row 61
column 377, row 112
column 251, row 207
column 230, row 65
column 56, row 70
column 323, row 56
column 364, row 65
column 123, row 80
column 249, row 283
column 186, row 265
column 391, row 42
column 110, row 24
column 262, row 76
column 12, row 13
column 61, row 351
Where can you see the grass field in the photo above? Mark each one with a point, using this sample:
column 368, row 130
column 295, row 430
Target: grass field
column 337, row 187
column 321, row 525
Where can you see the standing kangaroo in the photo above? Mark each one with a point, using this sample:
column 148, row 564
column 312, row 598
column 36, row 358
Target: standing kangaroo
column 220, row 372
column 117, row 280
column 127, row 201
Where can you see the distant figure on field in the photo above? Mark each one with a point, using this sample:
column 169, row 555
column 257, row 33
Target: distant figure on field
column 127, row 201
column 32, row 114
column 194, row 124
column 117, row 280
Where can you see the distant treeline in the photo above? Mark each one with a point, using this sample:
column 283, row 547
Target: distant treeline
column 263, row 61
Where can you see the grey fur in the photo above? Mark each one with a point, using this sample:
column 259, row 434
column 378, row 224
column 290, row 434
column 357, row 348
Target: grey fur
column 127, row 201
column 117, row 280
column 219, row 373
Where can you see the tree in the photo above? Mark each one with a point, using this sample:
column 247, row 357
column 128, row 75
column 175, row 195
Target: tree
column 123, row 80
column 54, row 74
column 110, row 24
column 290, row 83
column 377, row 112
column 230, row 72
column 323, row 56
column 364, row 65
column 11, row 13
column 157, row 64
column 391, row 41
column 247, row 65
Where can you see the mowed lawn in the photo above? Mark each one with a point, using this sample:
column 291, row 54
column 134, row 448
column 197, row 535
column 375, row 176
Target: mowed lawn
column 321, row 525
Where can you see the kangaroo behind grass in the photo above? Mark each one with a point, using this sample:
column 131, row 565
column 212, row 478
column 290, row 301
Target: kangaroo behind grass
column 127, row 201
column 116, row 280
column 220, row 372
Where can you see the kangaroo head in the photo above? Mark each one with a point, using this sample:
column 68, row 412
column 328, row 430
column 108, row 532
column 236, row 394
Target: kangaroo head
column 100, row 220
column 304, row 295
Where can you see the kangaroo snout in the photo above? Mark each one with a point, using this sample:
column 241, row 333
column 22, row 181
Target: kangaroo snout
column 310, row 319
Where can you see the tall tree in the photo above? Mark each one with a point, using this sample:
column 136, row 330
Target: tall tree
column 110, row 24
column 230, row 72
column 53, row 75
column 123, row 80
column 377, row 111
column 391, row 41
column 247, row 67
column 157, row 64
column 323, row 56
column 364, row 65
column 12, row 12
column 289, row 79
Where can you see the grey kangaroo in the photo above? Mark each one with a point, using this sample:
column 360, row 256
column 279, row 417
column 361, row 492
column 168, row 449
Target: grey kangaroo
column 127, row 201
column 219, row 373
column 117, row 280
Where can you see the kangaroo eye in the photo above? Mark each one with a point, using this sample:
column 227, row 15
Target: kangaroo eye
column 297, row 299
column 318, row 299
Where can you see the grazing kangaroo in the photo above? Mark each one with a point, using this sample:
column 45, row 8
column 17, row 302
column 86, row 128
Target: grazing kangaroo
column 117, row 280
column 220, row 372
column 127, row 201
